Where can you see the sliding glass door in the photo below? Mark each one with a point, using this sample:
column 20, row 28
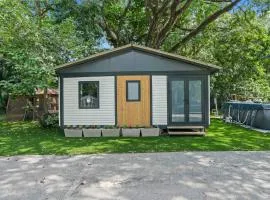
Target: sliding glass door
column 185, row 100
column 195, row 100
column 178, row 101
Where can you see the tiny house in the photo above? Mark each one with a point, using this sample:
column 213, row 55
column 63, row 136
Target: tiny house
column 135, row 86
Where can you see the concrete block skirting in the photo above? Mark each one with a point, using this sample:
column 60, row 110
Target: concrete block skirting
column 150, row 132
column 73, row 132
column 91, row 132
column 131, row 132
column 111, row 132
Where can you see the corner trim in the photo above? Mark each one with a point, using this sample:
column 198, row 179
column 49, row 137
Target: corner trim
column 115, row 100
column 151, row 102
column 61, row 102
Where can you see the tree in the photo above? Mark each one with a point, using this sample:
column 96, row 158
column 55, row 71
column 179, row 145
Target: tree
column 37, row 35
column 241, row 51
column 151, row 22
column 146, row 22
column 32, row 45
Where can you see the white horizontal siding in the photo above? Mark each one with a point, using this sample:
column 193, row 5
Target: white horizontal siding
column 104, row 115
column 208, row 85
column 159, row 100
column 59, row 100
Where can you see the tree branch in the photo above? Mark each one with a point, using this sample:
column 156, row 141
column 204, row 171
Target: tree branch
column 113, row 38
column 164, row 5
column 125, row 12
column 204, row 24
column 152, row 19
column 185, row 6
column 218, row 1
column 185, row 29
column 41, row 12
column 175, row 14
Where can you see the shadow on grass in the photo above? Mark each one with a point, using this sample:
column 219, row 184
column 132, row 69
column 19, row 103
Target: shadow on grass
column 28, row 138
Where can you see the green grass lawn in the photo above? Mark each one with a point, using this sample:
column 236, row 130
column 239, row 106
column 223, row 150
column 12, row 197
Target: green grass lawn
column 28, row 138
column 2, row 117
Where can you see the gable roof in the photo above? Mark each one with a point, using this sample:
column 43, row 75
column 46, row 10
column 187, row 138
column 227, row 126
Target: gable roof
column 210, row 67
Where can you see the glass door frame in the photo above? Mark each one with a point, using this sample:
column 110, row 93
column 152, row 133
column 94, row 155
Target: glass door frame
column 204, row 94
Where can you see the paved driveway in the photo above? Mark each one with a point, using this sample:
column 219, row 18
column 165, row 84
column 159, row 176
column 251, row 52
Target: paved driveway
column 172, row 176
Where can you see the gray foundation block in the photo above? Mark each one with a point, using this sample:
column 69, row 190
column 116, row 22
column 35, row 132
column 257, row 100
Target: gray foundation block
column 150, row 132
column 91, row 132
column 114, row 132
column 73, row 132
column 131, row 132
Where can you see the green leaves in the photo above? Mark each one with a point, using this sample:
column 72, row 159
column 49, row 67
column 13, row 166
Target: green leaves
column 240, row 51
column 32, row 45
column 36, row 36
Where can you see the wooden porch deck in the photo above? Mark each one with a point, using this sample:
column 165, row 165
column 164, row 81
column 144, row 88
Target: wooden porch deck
column 186, row 130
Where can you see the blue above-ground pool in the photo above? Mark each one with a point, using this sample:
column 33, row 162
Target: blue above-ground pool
column 253, row 114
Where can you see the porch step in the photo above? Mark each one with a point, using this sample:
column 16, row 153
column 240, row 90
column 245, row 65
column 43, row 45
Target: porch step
column 186, row 130
column 186, row 133
column 185, row 127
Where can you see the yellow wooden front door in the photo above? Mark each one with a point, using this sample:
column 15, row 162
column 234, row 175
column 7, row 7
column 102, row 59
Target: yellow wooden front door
column 133, row 109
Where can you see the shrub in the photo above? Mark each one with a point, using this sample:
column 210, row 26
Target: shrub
column 49, row 120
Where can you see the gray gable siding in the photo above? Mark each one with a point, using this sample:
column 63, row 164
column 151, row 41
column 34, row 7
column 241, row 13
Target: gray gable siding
column 132, row 61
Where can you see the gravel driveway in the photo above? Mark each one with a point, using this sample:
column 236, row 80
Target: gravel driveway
column 172, row 176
